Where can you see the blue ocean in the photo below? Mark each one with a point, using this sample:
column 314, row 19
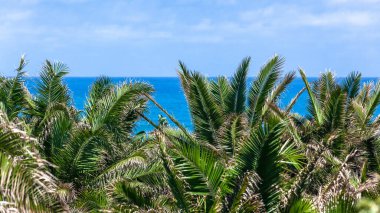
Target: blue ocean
column 169, row 94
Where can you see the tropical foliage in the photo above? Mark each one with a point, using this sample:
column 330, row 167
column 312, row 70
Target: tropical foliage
column 246, row 152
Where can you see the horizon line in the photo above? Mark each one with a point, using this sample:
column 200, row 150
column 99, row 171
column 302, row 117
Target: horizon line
column 97, row 76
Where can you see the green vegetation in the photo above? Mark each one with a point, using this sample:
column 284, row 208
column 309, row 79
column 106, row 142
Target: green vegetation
column 245, row 153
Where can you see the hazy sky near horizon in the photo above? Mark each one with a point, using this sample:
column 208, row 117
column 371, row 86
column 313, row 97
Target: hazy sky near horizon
column 147, row 38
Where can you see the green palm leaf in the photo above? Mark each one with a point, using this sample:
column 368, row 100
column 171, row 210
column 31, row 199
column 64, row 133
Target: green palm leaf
column 302, row 205
column 262, row 87
column 334, row 110
column 199, row 165
column 292, row 102
column 316, row 107
column 261, row 153
column 205, row 114
column 351, row 85
column 175, row 181
column 110, row 108
column 236, row 99
column 373, row 102
column 13, row 93
column 220, row 89
column 25, row 180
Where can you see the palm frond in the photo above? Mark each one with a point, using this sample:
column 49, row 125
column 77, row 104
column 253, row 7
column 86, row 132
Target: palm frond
column 220, row 89
column 351, row 85
column 205, row 114
column 56, row 132
column 236, row 99
column 231, row 133
column 51, row 88
column 262, row 86
column 261, row 153
column 316, row 107
column 373, row 103
column 175, row 181
column 13, row 93
column 198, row 164
column 25, row 180
column 334, row 110
column 109, row 109
column 291, row 104
column 372, row 148
column 79, row 159
column 100, row 88
column 279, row 89
column 302, row 205
column 341, row 204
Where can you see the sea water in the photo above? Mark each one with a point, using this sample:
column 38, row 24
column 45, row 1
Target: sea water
column 169, row 94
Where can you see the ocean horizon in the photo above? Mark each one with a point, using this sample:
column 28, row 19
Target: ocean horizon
column 169, row 94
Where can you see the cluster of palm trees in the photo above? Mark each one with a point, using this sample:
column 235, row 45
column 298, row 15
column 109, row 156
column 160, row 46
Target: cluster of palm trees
column 245, row 153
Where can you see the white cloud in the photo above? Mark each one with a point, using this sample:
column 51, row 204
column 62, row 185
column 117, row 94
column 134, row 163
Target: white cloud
column 10, row 16
column 287, row 16
column 155, row 23
column 228, row 2
column 354, row 1
column 341, row 18
column 28, row 2
column 203, row 25
column 116, row 32
column 13, row 22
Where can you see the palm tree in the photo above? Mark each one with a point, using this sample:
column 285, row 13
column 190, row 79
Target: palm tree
column 99, row 148
column 246, row 153
column 340, row 140
column 25, row 181
column 95, row 148
column 15, row 98
column 235, row 159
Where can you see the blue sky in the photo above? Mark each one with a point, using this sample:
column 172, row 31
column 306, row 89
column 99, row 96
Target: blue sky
column 147, row 38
